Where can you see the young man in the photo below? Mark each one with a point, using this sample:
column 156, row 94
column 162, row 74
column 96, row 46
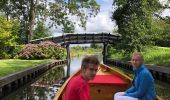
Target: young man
column 77, row 88
column 143, row 83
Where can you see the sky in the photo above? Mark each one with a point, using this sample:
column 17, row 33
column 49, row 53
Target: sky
column 102, row 22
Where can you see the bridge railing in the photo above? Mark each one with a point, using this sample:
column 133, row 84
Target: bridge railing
column 81, row 39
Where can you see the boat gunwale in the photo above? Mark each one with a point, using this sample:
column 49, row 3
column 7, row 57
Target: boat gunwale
column 113, row 70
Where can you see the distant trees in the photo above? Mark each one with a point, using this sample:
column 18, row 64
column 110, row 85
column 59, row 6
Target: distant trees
column 41, row 31
column 96, row 46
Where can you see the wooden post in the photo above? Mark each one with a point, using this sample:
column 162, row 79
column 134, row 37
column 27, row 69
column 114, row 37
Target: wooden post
column 0, row 92
column 68, row 60
column 105, row 52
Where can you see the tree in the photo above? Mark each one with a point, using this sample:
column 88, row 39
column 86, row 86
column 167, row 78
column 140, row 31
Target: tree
column 30, row 12
column 41, row 31
column 24, row 10
column 136, row 23
column 7, row 36
column 164, row 24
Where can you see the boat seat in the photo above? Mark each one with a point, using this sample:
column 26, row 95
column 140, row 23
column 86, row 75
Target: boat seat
column 107, row 79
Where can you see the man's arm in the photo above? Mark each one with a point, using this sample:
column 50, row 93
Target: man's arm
column 143, row 84
column 131, row 89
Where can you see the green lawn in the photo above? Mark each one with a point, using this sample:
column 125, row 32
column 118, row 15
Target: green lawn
column 154, row 55
column 158, row 56
column 10, row 66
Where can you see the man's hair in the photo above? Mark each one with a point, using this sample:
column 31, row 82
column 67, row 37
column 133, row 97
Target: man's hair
column 89, row 60
column 139, row 54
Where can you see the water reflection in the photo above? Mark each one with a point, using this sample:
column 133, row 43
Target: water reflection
column 162, row 89
column 48, row 84
column 51, row 77
column 42, row 89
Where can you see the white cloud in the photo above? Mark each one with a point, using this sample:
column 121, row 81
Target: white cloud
column 101, row 23
column 166, row 12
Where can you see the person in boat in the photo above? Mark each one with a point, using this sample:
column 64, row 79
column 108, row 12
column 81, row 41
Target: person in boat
column 77, row 88
column 143, row 83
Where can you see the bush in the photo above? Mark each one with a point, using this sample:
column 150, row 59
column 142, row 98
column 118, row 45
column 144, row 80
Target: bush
column 52, row 50
column 16, row 50
column 44, row 50
column 7, row 36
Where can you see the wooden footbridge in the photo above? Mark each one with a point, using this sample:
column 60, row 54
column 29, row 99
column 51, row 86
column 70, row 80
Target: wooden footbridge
column 83, row 38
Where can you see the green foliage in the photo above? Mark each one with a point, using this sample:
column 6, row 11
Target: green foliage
column 41, row 31
column 15, row 51
column 79, row 51
column 30, row 12
column 8, row 36
column 136, row 23
column 165, row 40
column 82, row 9
column 157, row 55
column 152, row 55
column 44, row 50
column 115, row 54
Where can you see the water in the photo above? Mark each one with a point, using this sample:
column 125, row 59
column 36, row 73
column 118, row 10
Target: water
column 42, row 89
column 162, row 89
column 48, row 84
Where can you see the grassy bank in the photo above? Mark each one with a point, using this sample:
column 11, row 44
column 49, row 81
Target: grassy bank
column 154, row 55
column 9, row 66
column 79, row 51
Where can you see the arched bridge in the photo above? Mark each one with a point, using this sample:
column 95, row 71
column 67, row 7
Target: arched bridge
column 81, row 39
column 67, row 39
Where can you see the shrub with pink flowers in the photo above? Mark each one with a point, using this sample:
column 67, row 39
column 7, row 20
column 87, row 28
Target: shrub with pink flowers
column 44, row 50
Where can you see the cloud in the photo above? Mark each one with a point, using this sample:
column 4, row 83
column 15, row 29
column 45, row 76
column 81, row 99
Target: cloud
column 166, row 12
column 101, row 23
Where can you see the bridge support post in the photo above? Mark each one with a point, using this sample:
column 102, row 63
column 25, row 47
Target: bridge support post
column 105, row 52
column 68, row 60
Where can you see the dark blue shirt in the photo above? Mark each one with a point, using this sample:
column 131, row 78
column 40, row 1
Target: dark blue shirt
column 143, row 85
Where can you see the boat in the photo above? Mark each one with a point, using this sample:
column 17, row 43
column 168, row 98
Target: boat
column 106, row 83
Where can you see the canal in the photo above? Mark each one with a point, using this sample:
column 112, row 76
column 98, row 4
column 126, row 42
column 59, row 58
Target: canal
column 45, row 87
column 48, row 84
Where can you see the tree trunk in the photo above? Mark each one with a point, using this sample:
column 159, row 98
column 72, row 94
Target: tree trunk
column 31, row 20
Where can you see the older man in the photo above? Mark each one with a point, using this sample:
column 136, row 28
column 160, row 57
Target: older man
column 77, row 88
column 143, row 83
